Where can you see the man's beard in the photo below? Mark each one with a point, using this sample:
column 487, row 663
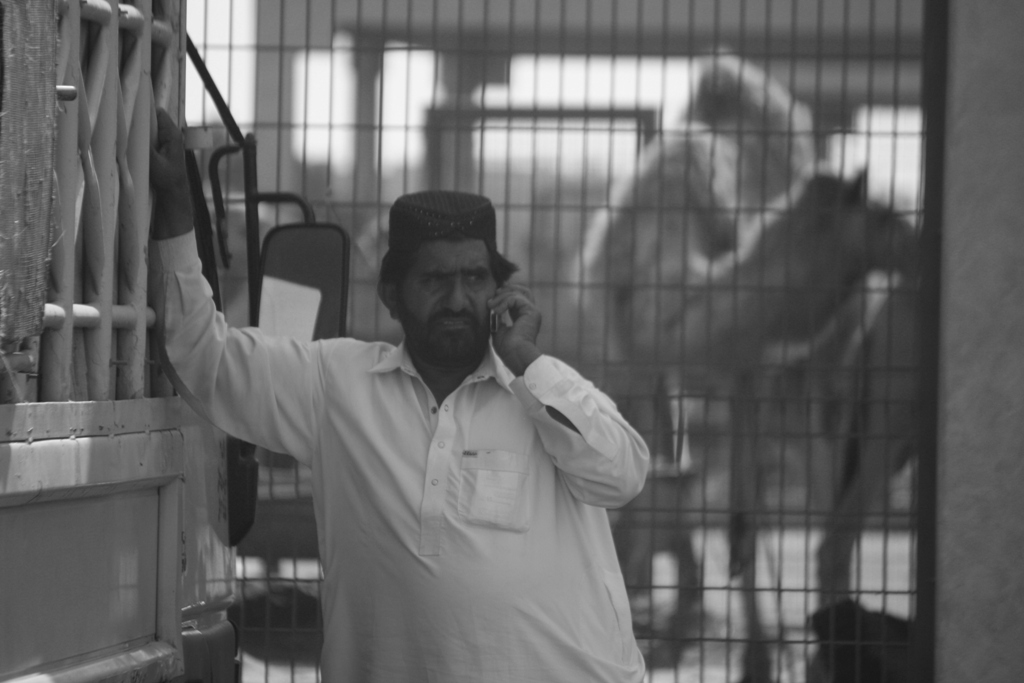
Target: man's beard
column 450, row 347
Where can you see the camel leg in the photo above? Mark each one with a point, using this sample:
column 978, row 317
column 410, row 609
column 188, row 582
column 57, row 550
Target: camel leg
column 865, row 491
column 877, row 438
column 757, row 662
column 668, row 499
column 689, row 578
column 743, row 526
column 743, row 479
column 836, row 549
column 633, row 526
column 845, row 520
column 654, row 522
column 834, row 558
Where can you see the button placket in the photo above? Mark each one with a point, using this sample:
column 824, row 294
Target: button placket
column 439, row 460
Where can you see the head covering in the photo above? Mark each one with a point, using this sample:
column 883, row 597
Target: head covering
column 440, row 214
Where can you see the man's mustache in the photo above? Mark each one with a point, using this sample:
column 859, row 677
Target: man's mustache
column 452, row 315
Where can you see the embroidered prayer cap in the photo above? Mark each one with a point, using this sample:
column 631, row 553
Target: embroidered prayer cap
column 440, row 214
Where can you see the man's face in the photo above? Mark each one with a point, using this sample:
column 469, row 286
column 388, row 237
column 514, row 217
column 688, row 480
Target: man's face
column 442, row 303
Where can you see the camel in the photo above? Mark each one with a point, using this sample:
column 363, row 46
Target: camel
column 703, row 194
column 864, row 362
column 726, row 249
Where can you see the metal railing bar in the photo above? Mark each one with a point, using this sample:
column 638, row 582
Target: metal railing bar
column 96, row 11
column 220, row 211
column 131, row 77
column 131, row 19
column 84, row 316
column 211, row 88
column 69, row 25
column 163, row 34
column 95, row 79
column 164, row 95
column 133, row 211
column 92, row 214
column 167, row 93
column 55, row 344
column 100, row 236
column 20, row 361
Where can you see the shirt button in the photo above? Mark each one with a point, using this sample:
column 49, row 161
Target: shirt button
column 533, row 385
column 440, row 444
column 433, row 482
column 434, row 409
column 446, row 408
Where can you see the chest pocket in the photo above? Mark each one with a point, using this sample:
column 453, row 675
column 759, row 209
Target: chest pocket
column 493, row 491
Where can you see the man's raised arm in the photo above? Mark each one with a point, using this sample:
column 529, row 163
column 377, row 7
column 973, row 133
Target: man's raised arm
column 265, row 390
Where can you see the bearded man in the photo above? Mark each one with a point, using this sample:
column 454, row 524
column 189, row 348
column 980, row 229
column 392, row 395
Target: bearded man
column 460, row 480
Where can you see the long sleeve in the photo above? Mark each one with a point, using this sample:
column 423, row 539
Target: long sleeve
column 265, row 390
column 605, row 461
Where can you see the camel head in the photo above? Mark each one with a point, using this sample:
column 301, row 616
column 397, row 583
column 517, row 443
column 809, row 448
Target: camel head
column 842, row 234
column 813, row 255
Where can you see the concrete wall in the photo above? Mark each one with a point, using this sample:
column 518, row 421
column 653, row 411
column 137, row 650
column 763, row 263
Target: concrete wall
column 980, row 602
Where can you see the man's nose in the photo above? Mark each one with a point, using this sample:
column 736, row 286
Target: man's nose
column 457, row 297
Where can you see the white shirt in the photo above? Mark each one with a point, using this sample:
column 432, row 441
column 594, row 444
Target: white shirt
column 466, row 541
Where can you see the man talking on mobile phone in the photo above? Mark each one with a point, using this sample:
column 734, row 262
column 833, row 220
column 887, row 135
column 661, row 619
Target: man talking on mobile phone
column 460, row 479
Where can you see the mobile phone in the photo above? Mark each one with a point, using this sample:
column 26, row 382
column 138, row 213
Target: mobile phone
column 495, row 321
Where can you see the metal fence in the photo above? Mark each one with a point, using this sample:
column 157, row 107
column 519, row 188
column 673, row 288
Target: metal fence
column 90, row 152
column 717, row 206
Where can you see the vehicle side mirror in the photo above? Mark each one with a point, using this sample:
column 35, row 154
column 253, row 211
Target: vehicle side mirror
column 304, row 281
column 304, row 295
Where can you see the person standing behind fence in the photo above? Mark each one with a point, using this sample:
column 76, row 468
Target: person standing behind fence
column 460, row 480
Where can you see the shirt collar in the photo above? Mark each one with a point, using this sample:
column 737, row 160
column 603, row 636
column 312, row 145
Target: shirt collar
column 490, row 367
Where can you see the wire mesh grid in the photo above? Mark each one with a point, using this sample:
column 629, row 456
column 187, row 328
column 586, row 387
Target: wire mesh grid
column 716, row 205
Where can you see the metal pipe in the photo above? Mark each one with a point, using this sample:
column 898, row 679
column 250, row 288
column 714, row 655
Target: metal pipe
column 252, row 227
column 100, row 231
column 131, row 19
column 211, row 89
column 55, row 371
column 163, row 34
column 87, row 317
column 132, row 74
column 96, row 11
column 20, row 361
column 289, row 198
column 220, row 211
column 134, row 208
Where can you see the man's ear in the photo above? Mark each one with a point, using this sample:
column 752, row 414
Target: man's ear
column 388, row 293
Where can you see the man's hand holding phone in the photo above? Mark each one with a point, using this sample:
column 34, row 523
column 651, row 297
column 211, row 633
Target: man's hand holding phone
column 515, row 343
